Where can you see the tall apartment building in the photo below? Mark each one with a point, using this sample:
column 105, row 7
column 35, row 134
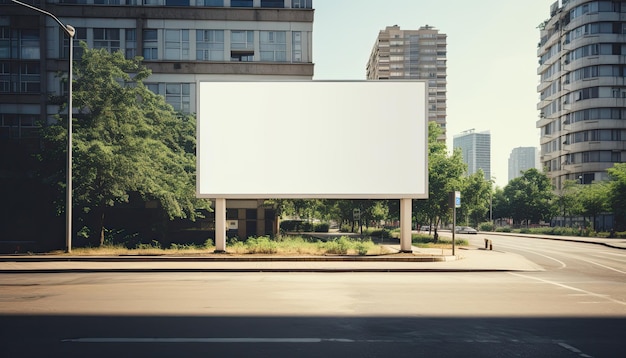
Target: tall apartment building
column 413, row 54
column 582, row 69
column 522, row 159
column 476, row 149
column 181, row 41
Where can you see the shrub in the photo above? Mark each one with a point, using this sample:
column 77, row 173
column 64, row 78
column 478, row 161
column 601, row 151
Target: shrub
column 153, row 245
column 345, row 228
column 503, row 229
column 261, row 245
column 363, row 247
column 291, row 225
column 382, row 233
column 486, row 227
column 321, row 227
column 337, row 247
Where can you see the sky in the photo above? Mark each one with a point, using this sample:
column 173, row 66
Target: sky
column 492, row 59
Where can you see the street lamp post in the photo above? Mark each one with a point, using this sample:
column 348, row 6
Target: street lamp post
column 70, row 31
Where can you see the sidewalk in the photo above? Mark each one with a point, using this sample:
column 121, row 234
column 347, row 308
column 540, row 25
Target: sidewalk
column 470, row 259
column 616, row 243
column 421, row 260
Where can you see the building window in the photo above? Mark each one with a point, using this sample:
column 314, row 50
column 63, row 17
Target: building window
column 296, row 46
column 30, row 78
column 210, row 45
column 15, row 126
column 302, row 4
column 107, row 38
column 176, row 2
column 150, row 44
column 241, row 3
column 131, row 43
column 210, row 3
column 19, row 44
column 178, row 95
column 273, row 3
column 242, row 45
column 273, row 46
column 5, row 42
column 5, row 77
column 20, row 77
column 106, row 2
column 176, row 45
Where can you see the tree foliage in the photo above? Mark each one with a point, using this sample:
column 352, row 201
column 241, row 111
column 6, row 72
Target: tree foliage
column 617, row 194
column 444, row 176
column 475, row 198
column 594, row 199
column 127, row 141
column 529, row 197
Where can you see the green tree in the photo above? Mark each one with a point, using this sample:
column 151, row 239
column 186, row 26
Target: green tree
column 127, row 141
column 500, row 204
column 444, row 176
column 529, row 197
column 475, row 198
column 568, row 200
column 617, row 194
column 594, row 200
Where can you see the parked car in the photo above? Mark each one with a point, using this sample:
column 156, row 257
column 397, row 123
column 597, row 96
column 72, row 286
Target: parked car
column 465, row 230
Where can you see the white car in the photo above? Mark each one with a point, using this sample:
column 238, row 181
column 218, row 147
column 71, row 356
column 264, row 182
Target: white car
column 465, row 230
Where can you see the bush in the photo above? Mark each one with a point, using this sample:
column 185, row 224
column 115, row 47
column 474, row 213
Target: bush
column 337, row 247
column 261, row 245
column 503, row 229
column 382, row 233
column 363, row 247
column 345, row 228
column 322, row 227
column 291, row 225
column 486, row 227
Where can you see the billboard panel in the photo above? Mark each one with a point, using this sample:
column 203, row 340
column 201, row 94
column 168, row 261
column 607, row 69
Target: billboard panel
column 312, row 139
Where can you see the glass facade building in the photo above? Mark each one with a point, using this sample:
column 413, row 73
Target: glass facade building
column 522, row 159
column 476, row 150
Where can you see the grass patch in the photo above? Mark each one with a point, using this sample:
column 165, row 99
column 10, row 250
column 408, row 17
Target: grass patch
column 428, row 241
column 290, row 245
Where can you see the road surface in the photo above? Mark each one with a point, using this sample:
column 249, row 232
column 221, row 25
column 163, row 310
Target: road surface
column 576, row 307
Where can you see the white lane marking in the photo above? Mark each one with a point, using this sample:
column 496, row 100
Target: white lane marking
column 574, row 350
column 563, row 265
column 193, row 340
column 608, row 298
column 604, row 266
column 225, row 340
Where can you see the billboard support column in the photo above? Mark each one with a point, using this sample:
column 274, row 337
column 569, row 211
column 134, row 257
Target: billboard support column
column 406, row 212
column 220, row 225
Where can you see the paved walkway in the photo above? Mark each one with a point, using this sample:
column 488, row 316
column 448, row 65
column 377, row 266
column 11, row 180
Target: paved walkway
column 466, row 259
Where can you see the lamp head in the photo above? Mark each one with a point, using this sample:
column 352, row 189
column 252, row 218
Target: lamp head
column 70, row 30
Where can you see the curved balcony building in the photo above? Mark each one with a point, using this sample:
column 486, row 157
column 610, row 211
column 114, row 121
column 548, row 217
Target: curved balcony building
column 582, row 90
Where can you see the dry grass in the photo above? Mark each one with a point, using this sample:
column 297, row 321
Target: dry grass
column 287, row 246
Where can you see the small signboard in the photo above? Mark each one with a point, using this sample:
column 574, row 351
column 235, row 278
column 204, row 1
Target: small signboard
column 356, row 214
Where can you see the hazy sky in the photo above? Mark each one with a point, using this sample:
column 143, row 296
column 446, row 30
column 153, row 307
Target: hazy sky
column 492, row 59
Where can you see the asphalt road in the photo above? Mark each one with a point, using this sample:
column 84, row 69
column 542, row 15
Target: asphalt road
column 576, row 307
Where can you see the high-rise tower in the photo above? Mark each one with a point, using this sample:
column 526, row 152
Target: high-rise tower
column 582, row 67
column 413, row 54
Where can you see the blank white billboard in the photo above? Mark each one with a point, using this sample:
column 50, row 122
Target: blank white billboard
column 313, row 139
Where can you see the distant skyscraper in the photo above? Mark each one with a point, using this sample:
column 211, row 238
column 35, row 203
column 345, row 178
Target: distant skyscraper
column 413, row 54
column 476, row 149
column 582, row 92
column 522, row 159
